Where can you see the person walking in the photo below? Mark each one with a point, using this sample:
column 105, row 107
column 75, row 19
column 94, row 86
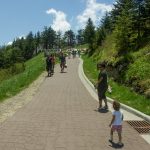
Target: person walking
column 62, row 61
column 102, row 85
column 53, row 62
column 49, row 65
column 116, row 122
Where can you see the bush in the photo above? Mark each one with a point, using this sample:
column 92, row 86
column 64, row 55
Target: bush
column 139, row 69
column 13, row 70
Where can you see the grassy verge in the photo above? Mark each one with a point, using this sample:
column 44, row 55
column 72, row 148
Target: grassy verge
column 119, row 92
column 12, row 86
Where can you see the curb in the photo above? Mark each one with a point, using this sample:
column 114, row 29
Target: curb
column 125, row 107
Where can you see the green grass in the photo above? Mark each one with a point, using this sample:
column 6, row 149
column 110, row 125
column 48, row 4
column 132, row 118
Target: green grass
column 119, row 92
column 11, row 71
column 33, row 69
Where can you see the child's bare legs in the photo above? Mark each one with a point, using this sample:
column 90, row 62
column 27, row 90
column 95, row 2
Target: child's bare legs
column 120, row 137
column 111, row 135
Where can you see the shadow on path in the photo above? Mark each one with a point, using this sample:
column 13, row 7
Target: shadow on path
column 116, row 145
column 102, row 110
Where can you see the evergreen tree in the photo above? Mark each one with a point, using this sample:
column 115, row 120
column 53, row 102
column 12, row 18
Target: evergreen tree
column 44, row 38
column 89, row 35
column 2, row 59
column 51, row 36
column 146, row 18
column 48, row 38
column 37, row 40
column 125, row 36
column 100, row 36
column 106, row 23
column 116, row 11
column 80, row 37
column 58, row 40
column 104, row 29
column 29, row 46
column 70, row 38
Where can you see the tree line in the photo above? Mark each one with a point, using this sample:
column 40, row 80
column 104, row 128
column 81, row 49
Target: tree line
column 129, row 22
column 25, row 48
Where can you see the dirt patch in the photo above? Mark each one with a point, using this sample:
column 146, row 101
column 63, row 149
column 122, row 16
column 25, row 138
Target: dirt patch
column 11, row 105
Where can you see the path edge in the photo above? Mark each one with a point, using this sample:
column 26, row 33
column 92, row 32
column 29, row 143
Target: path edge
column 125, row 107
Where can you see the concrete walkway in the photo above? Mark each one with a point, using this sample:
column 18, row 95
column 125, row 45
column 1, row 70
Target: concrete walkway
column 63, row 116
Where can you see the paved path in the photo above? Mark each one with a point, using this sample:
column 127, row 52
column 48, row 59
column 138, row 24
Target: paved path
column 63, row 116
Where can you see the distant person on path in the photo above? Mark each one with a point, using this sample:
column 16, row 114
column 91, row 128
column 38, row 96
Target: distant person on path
column 49, row 65
column 116, row 122
column 79, row 52
column 62, row 61
column 69, row 54
column 102, row 85
column 53, row 62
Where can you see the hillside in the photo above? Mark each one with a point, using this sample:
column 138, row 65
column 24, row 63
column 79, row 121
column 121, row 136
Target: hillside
column 132, row 70
column 14, row 84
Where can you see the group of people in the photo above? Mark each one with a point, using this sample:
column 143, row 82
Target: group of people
column 117, row 115
column 102, row 87
column 50, row 63
column 74, row 53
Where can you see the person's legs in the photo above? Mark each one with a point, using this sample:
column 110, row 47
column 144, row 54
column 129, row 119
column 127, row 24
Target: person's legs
column 100, row 103
column 100, row 98
column 105, row 99
column 61, row 66
column 111, row 135
column 120, row 138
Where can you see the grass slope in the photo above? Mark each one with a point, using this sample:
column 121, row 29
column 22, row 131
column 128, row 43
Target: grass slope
column 12, row 86
column 119, row 92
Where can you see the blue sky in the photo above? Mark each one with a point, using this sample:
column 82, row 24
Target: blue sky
column 19, row 17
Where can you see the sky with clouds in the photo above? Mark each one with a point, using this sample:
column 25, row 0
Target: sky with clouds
column 19, row 17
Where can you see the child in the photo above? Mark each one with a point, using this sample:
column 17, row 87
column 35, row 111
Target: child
column 116, row 122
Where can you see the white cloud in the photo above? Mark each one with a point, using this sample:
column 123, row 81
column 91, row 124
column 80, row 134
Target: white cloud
column 93, row 10
column 59, row 23
column 9, row 43
column 20, row 37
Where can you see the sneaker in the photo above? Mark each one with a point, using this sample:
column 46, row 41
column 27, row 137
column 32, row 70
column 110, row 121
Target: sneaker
column 120, row 143
column 100, row 107
column 110, row 140
column 105, row 107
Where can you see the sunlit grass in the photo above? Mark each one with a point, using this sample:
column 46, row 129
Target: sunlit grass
column 12, row 86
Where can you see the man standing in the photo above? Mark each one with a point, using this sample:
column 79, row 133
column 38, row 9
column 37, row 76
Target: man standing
column 102, row 85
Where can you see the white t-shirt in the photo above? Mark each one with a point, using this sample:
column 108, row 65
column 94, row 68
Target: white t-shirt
column 118, row 117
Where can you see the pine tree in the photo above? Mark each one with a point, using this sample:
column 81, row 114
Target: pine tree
column 37, row 40
column 80, row 37
column 125, row 36
column 89, row 35
column 44, row 38
column 70, row 38
column 116, row 11
column 147, row 18
column 29, row 46
column 51, row 36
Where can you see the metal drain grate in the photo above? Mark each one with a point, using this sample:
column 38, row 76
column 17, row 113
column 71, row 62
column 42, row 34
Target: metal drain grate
column 140, row 126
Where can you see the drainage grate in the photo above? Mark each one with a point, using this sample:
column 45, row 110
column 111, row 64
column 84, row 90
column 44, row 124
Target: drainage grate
column 140, row 126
